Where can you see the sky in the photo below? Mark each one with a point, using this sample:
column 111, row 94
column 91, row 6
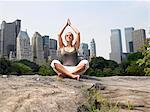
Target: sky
column 94, row 19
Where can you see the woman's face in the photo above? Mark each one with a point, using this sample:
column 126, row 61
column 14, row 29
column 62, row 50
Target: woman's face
column 69, row 37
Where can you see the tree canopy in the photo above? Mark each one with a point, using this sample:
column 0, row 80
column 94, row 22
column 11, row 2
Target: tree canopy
column 145, row 61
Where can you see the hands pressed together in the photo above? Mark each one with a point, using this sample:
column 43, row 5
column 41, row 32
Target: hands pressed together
column 68, row 23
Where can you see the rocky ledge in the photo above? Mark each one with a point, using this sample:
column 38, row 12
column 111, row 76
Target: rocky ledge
column 52, row 94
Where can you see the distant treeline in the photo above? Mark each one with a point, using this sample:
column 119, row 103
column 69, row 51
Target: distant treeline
column 102, row 67
column 136, row 64
column 98, row 67
column 23, row 67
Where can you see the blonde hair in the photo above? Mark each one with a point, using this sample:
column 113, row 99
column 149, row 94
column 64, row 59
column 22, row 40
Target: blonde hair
column 71, row 34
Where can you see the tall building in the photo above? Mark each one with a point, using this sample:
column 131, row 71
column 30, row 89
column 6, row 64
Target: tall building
column 46, row 46
column 37, row 48
column 24, row 50
column 45, row 40
column 92, row 48
column 53, row 49
column 53, row 44
column 84, row 51
column 9, row 33
column 139, row 38
column 0, row 45
column 129, row 39
column 116, row 45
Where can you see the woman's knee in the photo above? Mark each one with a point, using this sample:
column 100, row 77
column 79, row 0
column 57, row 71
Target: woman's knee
column 57, row 65
column 85, row 64
column 54, row 63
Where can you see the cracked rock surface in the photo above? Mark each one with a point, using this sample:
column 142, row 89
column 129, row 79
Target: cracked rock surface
column 51, row 94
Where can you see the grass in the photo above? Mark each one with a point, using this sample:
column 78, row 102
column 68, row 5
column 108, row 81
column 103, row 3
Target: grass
column 96, row 102
column 100, row 104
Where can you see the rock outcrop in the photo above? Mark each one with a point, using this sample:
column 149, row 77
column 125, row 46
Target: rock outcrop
column 52, row 94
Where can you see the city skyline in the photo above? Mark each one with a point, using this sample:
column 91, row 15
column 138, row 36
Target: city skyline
column 93, row 19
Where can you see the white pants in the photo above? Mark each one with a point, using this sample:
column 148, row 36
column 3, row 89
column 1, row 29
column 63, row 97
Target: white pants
column 70, row 68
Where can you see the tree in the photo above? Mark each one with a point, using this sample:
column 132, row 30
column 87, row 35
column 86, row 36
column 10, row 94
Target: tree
column 5, row 66
column 20, row 68
column 145, row 61
column 134, row 70
column 32, row 65
column 98, row 63
column 130, row 66
column 102, row 67
column 46, row 71
column 118, row 71
column 133, row 57
column 111, row 64
column 124, row 64
column 107, row 72
column 90, row 72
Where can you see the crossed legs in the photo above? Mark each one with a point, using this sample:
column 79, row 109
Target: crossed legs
column 60, row 69
column 79, row 68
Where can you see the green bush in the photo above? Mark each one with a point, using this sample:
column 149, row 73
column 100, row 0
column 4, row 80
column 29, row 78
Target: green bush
column 5, row 66
column 19, row 68
column 107, row 72
column 145, row 61
column 101, row 67
column 32, row 65
column 46, row 71
column 118, row 71
column 133, row 57
column 135, row 70
column 99, row 73
column 90, row 72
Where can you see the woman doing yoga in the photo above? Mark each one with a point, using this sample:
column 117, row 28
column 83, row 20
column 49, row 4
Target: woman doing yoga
column 71, row 66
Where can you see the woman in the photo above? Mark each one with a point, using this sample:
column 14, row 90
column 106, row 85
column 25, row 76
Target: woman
column 70, row 66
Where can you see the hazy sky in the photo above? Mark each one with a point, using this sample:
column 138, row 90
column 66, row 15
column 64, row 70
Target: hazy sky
column 94, row 19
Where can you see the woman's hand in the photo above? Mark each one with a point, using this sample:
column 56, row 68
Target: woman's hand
column 68, row 22
column 77, row 41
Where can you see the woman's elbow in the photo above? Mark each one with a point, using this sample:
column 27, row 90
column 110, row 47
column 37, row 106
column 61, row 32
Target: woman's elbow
column 78, row 33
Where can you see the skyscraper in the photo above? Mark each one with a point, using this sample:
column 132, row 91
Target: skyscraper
column 84, row 51
column 53, row 49
column 116, row 45
column 129, row 39
column 24, row 50
column 46, row 46
column 9, row 32
column 92, row 48
column 139, row 38
column 0, row 45
column 53, row 44
column 46, row 40
column 37, row 48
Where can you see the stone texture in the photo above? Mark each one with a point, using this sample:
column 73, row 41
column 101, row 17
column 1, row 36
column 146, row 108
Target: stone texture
column 52, row 94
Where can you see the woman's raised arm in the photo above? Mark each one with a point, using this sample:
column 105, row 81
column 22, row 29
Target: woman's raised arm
column 77, row 41
column 60, row 41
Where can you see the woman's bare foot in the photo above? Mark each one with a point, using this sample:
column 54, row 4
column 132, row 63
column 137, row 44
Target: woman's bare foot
column 74, row 76
column 77, row 77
